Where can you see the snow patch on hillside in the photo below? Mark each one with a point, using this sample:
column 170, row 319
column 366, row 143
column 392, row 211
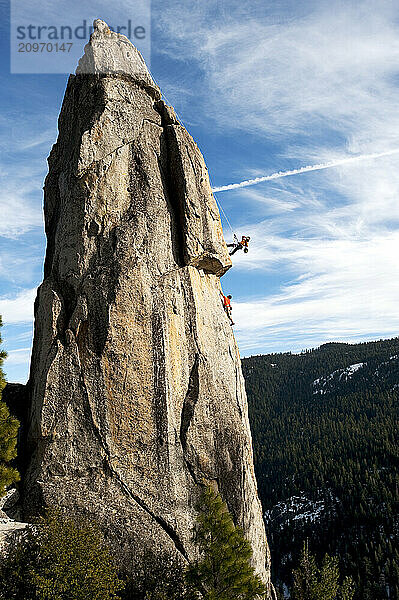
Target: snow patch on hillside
column 339, row 375
column 348, row 372
column 297, row 508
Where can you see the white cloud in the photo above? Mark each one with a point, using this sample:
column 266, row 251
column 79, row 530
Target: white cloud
column 332, row 67
column 338, row 257
column 18, row 357
column 21, row 196
column 25, row 336
column 41, row 138
column 18, row 215
column 347, row 289
column 18, row 309
column 25, row 140
column 327, row 76
column 20, row 262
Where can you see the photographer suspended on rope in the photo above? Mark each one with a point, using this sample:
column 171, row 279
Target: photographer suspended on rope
column 239, row 245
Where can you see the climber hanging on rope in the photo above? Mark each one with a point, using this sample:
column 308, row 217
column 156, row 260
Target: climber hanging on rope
column 239, row 245
column 226, row 300
column 236, row 245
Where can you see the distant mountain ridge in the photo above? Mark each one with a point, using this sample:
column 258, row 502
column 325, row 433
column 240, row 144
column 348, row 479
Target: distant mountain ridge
column 325, row 432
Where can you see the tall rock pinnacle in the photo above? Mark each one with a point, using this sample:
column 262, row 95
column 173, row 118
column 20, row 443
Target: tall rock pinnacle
column 137, row 395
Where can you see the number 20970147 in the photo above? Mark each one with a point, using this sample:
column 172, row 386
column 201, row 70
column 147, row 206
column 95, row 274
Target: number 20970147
column 44, row 47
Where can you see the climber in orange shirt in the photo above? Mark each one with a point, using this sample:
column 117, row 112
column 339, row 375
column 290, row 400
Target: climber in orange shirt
column 226, row 300
column 242, row 245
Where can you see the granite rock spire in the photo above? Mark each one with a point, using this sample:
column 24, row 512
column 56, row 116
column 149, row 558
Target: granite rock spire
column 136, row 393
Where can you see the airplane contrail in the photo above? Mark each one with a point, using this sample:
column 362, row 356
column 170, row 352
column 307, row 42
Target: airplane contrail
column 319, row 167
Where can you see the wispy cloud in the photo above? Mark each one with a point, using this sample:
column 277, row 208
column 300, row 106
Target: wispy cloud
column 25, row 142
column 20, row 262
column 346, row 290
column 44, row 138
column 319, row 79
column 307, row 169
column 18, row 357
column 332, row 66
column 339, row 262
column 21, row 195
column 19, row 308
column 20, row 215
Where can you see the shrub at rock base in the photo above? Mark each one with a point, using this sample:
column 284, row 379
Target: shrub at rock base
column 58, row 559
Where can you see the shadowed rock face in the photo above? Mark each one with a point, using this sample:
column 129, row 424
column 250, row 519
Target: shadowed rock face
column 137, row 395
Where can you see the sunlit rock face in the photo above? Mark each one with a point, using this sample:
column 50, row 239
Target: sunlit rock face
column 137, row 395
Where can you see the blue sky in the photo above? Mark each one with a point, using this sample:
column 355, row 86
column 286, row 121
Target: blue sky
column 262, row 87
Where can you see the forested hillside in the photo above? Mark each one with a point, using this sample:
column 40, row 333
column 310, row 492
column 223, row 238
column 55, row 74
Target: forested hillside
column 325, row 433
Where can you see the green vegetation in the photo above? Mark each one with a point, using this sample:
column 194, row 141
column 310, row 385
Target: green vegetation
column 313, row 583
column 157, row 577
column 223, row 570
column 64, row 559
column 8, row 436
column 58, row 559
column 325, row 433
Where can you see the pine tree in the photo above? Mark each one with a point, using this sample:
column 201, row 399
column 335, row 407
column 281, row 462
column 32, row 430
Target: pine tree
column 305, row 576
column 8, row 436
column 347, row 589
column 223, row 570
column 328, row 585
column 311, row 583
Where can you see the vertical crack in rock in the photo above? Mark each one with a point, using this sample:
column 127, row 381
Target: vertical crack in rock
column 190, row 401
column 175, row 178
column 160, row 399
column 136, row 397
column 187, row 415
column 238, row 386
column 165, row 526
column 171, row 186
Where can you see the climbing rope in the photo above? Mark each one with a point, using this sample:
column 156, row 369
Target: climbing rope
column 225, row 216
column 180, row 120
